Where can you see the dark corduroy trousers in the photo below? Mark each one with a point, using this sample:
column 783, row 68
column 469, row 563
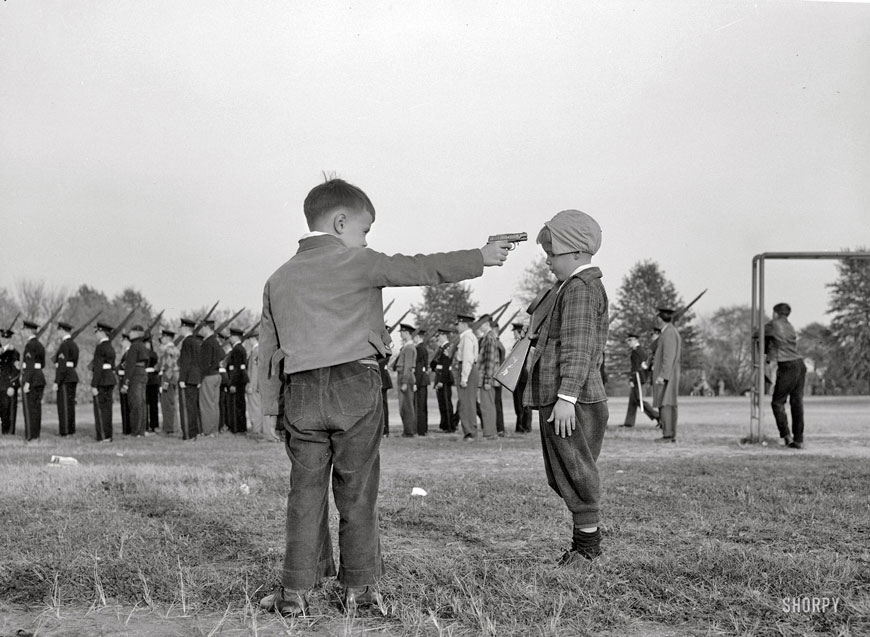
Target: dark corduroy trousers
column 334, row 422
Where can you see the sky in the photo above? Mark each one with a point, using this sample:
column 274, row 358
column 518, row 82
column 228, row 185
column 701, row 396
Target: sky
column 168, row 146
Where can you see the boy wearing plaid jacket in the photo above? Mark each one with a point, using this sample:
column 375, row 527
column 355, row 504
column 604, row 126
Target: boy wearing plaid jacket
column 565, row 383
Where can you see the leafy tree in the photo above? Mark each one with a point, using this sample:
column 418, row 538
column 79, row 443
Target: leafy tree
column 535, row 278
column 726, row 346
column 818, row 345
column 441, row 304
column 850, row 327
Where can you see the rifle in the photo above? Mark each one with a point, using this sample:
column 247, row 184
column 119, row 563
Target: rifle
column 509, row 322
column 12, row 324
column 51, row 318
column 153, row 323
column 496, row 312
column 679, row 314
column 82, row 327
column 123, row 324
column 251, row 331
column 397, row 323
column 220, row 327
column 201, row 322
column 496, row 316
column 389, row 305
column 514, row 238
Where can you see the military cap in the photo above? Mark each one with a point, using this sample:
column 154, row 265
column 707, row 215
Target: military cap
column 65, row 326
column 169, row 333
column 631, row 335
column 235, row 331
column 6, row 333
column 464, row 318
column 405, row 327
column 210, row 323
column 445, row 330
column 222, row 335
column 186, row 322
column 518, row 326
column 137, row 328
column 125, row 335
column 421, row 332
column 103, row 327
column 30, row 325
column 665, row 312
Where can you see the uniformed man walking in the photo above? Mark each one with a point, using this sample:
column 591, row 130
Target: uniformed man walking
column 66, row 379
column 32, row 381
column 103, row 382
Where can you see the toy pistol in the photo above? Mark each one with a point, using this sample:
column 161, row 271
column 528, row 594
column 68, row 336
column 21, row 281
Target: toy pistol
column 514, row 238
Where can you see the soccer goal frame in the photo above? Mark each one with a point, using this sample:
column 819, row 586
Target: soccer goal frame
column 756, row 393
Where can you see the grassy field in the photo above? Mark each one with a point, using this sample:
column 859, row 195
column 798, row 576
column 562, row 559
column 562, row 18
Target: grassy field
column 156, row 537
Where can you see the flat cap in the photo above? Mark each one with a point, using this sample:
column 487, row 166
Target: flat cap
column 572, row 231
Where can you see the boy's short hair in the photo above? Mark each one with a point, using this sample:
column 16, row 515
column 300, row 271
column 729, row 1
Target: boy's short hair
column 783, row 309
column 332, row 194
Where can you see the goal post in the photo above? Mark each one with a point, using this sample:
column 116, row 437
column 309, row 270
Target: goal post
column 756, row 393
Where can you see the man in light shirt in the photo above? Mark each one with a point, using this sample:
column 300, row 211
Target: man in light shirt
column 466, row 373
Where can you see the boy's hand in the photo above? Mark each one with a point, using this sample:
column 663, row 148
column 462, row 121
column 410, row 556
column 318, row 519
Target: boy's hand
column 563, row 418
column 495, row 253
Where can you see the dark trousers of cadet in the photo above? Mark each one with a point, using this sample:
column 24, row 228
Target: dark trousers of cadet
column 152, row 402
column 408, row 411
column 237, row 411
column 124, row 402
column 168, row 405
column 634, row 403
column 499, row 408
column 137, row 405
column 571, row 462
column 103, row 413
column 523, row 413
column 466, row 402
column 421, row 406
column 188, row 412
column 66, row 408
column 333, row 424
column 386, row 410
column 32, row 409
column 225, row 417
column 445, row 408
column 209, row 403
column 791, row 377
column 487, row 411
column 8, row 410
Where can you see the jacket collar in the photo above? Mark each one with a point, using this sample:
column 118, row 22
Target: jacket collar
column 319, row 241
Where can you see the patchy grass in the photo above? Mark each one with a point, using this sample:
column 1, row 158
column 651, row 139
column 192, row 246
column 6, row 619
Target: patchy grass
column 155, row 536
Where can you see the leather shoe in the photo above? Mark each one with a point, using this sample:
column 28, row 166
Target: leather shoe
column 287, row 603
column 574, row 556
column 666, row 439
column 796, row 445
column 361, row 597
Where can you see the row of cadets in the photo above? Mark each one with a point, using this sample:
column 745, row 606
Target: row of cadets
column 189, row 379
column 10, row 371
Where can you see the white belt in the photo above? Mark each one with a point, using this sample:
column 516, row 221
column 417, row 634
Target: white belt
column 439, row 366
column 150, row 369
column 232, row 367
column 222, row 370
column 106, row 366
column 70, row 364
column 37, row 366
column 242, row 367
column 121, row 372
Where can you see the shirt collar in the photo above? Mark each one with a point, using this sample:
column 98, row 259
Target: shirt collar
column 312, row 233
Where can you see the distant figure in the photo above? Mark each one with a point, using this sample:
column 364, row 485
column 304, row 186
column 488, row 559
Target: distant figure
column 237, row 372
column 103, row 382
column 210, row 356
column 406, row 364
column 421, row 380
column 152, row 387
column 122, row 386
column 487, row 361
column 167, row 365
column 440, row 365
column 32, row 381
column 791, row 374
column 466, row 373
column 66, row 379
column 135, row 380
column 637, row 378
column 523, row 413
column 9, row 372
column 666, row 372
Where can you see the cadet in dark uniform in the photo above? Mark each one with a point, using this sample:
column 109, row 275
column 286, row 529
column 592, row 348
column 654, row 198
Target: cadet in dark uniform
column 152, row 387
column 189, row 378
column 225, row 419
column 210, row 356
column 237, row 369
column 638, row 376
column 523, row 413
column 135, row 377
column 66, row 380
column 32, row 381
column 443, row 380
column 103, row 382
column 9, row 373
column 123, row 400
column 421, row 379
column 499, row 406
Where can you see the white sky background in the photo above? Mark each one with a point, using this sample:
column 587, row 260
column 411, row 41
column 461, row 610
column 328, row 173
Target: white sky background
column 169, row 145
